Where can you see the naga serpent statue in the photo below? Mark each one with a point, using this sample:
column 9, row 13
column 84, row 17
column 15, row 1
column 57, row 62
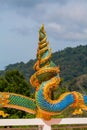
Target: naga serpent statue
column 45, row 78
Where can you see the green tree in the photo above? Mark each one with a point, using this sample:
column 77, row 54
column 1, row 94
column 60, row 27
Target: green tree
column 14, row 82
column 3, row 84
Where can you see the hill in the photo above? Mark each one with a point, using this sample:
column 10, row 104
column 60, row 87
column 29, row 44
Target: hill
column 72, row 62
column 77, row 84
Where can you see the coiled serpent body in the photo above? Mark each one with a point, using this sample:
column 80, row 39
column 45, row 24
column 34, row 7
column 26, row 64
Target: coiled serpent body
column 44, row 79
column 47, row 77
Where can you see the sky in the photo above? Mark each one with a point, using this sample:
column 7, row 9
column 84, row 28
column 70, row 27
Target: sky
column 20, row 20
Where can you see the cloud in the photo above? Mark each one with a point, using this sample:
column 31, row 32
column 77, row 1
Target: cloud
column 19, row 3
column 30, row 3
column 65, row 21
column 55, row 27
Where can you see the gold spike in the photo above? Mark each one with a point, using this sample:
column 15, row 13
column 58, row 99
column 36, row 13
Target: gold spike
column 3, row 114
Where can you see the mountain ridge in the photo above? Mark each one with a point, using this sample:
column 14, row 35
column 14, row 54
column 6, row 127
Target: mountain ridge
column 72, row 62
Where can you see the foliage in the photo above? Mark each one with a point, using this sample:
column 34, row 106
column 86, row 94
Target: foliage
column 14, row 82
column 72, row 62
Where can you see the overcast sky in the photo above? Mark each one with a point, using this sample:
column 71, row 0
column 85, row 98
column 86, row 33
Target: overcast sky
column 65, row 23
